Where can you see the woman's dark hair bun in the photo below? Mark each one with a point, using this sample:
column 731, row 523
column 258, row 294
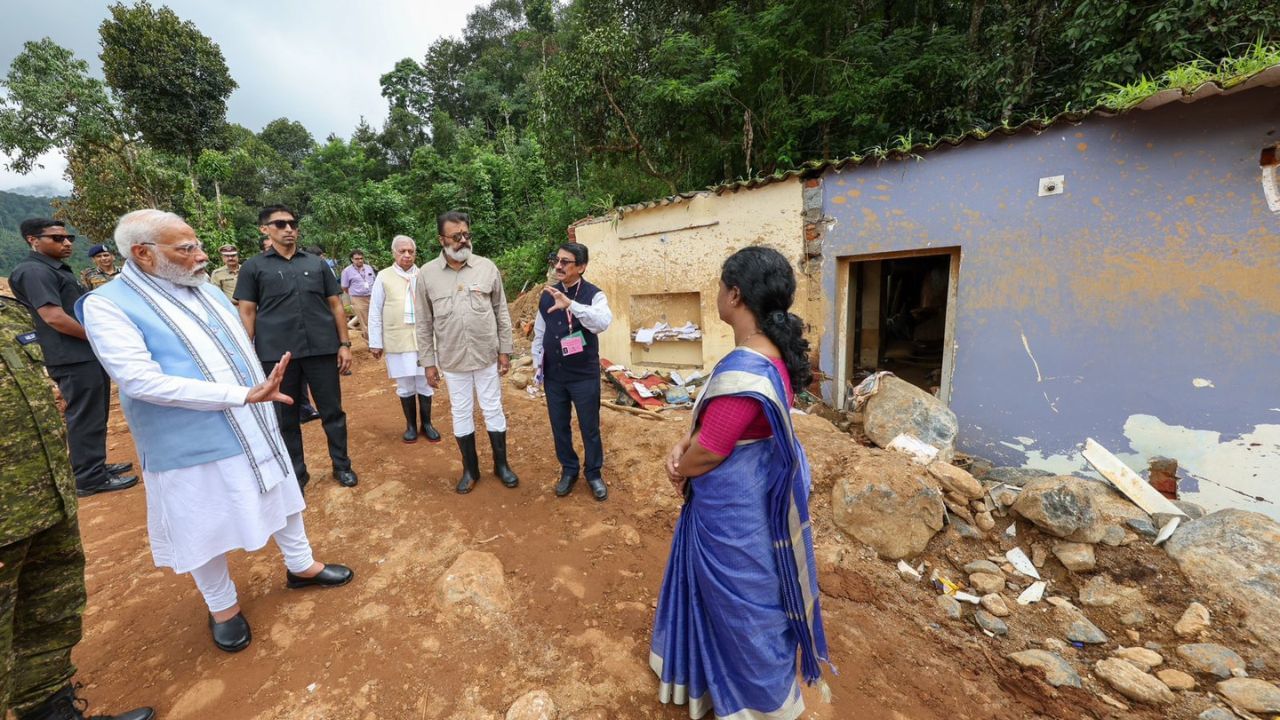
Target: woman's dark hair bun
column 767, row 284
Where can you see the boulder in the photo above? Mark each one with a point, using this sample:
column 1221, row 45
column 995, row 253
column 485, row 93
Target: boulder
column 1133, row 683
column 533, row 705
column 991, row 623
column 1194, row 621
column 896, row 512
column 1100, row 591
column 1014, row 476
column 1236, row 554
column 986, row 583
column 1256, row 696
column 1211, row 659
column 956, row 480
column 1059, row 506
column 899, row 407
column 1076, row 557
column 950, row 607
column 475, row 579
column 995, row 604
column 1176, row 679
column 1142, row 658
column 1057, row 672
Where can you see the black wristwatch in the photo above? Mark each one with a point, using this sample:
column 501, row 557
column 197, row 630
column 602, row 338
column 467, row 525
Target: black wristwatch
column 346, row 344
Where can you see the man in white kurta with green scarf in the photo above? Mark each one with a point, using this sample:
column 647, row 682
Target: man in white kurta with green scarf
column 392, row 333
column 218, row 476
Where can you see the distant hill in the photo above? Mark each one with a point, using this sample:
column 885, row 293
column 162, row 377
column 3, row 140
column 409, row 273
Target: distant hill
column 15, row 208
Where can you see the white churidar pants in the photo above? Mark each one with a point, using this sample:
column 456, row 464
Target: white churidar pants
column 213, row 579
column 410, row 386
column 487, row 385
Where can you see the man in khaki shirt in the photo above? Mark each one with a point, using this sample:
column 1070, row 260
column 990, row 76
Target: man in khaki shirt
column 224, row 278
column 464, row 331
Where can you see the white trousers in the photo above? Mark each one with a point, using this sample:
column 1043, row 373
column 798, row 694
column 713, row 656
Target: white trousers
column 213, row 579
column 486, row 384
column 413, row 385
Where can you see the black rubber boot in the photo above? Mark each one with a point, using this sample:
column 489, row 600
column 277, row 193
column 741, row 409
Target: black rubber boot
column 410, row 418
column 470, row 463
column 64, row 705
column 500, row 467
column 424, row 409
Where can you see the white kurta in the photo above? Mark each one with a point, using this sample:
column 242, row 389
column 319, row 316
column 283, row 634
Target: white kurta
column 193, row 514
column 399, row 365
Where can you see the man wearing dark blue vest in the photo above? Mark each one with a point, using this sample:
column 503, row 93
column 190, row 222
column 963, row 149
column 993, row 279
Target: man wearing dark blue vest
column 566, row 350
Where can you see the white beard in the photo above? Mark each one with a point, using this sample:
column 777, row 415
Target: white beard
column 458, row 255
column 179, row 275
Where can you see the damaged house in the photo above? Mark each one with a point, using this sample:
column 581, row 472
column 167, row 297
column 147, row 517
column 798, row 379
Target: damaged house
column 1113, row 275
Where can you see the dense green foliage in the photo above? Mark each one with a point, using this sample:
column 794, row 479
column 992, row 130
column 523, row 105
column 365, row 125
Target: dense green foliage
column 542, row 112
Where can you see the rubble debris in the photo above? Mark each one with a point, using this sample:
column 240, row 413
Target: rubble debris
column 1194, row 621
column 1057, row 672
column 986, row 583
column 1133, row 683
column 1257, row 696
column 1022, row 563
column 956, row 480
column 1060, row 507
column 922, row 453
column 1015, row 476
column 1076, row 557
column 898, row 407
column 1162, row 474
column 990, row 623
column 1211, row 659
column 1127, row 481
column 994, row 603
column 1033, row 593
column 1176, row 679
column 950, row 606
column 533, row 705
column 663, row 332
column 1142, row 658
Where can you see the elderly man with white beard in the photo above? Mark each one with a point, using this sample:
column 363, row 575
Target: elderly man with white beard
column 217, row 474
column 391, row 331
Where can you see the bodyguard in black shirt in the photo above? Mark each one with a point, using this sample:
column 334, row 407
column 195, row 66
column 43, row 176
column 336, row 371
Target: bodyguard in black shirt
column 289, row 303
column 47, row 287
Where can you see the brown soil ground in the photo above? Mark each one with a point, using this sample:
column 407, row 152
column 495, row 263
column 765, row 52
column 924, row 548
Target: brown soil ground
column 584, row 577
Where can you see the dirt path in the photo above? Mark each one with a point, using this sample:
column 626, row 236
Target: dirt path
column 584, row 576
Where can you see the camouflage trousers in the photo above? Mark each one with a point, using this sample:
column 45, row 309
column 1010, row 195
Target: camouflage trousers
column 42, row 597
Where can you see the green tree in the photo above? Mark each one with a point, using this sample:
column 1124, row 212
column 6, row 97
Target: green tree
column 171, row 79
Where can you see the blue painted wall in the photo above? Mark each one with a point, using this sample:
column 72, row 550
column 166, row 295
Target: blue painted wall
column 1158, row 266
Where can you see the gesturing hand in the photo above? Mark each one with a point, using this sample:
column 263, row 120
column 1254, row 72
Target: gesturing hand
column 673, row 461
column 561, row 300
column 269, row 390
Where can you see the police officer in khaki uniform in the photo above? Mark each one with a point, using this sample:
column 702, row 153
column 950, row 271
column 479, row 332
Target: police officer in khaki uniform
column 42, row 594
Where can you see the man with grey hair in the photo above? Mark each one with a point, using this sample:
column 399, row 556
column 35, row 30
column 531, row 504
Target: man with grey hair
column 391, row 332
column 218, row 475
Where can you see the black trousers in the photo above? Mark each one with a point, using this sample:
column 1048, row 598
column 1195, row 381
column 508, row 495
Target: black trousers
column 321, row 374
column 87, row 390
column 582, row 396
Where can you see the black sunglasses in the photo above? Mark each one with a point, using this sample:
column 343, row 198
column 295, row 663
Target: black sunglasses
column 282, row 224
column 58, row 238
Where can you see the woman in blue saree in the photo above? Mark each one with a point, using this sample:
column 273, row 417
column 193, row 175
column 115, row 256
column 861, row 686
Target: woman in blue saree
column 740, row 594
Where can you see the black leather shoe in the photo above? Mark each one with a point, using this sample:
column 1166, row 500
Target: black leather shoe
column 410, row 409
column 346, row 478
column 64, row 705
column 231, row 635
column 567, row 481
column 424, row 409
column 113, row 483
column 118, row 468
column 330, row 576
column 307, row 413
column 598, row 488
column 470, row 463
column 500, row 467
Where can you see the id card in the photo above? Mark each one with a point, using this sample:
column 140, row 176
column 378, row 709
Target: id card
column 572, row 344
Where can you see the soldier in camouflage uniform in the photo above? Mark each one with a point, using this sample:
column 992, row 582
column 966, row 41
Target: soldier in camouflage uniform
column 103, row 270
column 42, row 594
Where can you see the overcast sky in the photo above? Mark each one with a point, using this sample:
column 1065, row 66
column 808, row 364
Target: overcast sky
column 315, row 61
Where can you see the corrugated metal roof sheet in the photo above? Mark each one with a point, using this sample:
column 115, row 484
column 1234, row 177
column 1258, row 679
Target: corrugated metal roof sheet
column 1268, row 77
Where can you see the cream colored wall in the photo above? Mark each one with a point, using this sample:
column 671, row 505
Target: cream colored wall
column 679, row 249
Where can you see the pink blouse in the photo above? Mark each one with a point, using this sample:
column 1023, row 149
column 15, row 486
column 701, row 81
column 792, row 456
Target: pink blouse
column 730, row 419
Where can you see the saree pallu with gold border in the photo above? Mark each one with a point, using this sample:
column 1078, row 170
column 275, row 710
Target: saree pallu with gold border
column 740, row 593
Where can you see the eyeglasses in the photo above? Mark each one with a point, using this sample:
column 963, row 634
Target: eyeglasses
column 183, row 249
column 58, row 238
column 561, row 262
column 282, row 224
column 459, row 237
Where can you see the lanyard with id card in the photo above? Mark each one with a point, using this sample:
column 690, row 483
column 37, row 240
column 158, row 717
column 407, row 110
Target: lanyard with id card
column 573, row 343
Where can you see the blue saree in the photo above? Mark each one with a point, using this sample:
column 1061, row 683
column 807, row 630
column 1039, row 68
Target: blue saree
column 740, row 593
